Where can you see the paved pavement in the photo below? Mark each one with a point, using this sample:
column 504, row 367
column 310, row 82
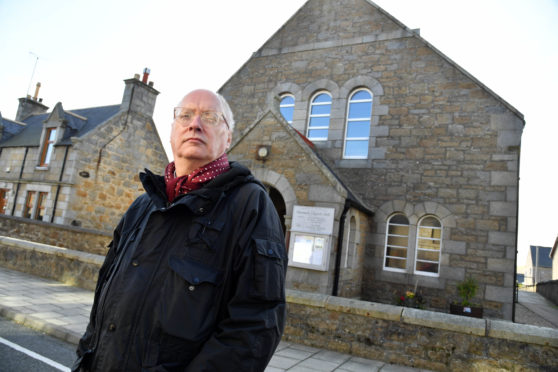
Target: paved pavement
column 536, row 310
column 63, row 311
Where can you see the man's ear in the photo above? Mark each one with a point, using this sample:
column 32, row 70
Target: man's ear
column 229, row 139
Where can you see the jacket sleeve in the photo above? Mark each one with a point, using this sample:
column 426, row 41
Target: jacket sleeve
column 255, row 312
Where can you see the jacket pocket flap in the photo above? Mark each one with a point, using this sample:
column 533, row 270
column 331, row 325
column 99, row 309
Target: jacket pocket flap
column 269, row 248
column 210, row 224
column 194, row 272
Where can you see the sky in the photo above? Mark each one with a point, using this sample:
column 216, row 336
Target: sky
column 81, row 51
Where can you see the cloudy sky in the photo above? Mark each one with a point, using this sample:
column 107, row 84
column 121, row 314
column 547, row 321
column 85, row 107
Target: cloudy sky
column 81, row 51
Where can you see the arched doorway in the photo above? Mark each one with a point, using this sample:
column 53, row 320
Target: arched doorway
column 279, row 204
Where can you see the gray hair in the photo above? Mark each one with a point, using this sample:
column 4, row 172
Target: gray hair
column 227, row 112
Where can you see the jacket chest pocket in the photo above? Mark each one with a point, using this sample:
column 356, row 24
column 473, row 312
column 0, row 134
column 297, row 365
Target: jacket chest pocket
column 204, row 241
column 269, row 271
column 190, row 299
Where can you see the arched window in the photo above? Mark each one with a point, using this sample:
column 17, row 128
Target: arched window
column 429, row 246
column 397, row 241
column 287, row 107
column 350, row 249
column 357, row 128
column 318, row 120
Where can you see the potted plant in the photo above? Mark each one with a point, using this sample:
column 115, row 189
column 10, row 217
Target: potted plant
column 466, row 290
column 411, row 299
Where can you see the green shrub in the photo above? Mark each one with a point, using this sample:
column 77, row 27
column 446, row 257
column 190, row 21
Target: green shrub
column 467, row 290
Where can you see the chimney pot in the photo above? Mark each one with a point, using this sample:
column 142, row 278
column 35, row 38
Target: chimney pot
column 146, row 72
column 37, row 91
column 150, row 84
column 136, row 76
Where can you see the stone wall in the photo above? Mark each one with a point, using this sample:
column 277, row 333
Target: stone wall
column 74, row 238
column 393, row 334
column 549, row 290
column 418, row 338
column 64, row 265
column 130, row 143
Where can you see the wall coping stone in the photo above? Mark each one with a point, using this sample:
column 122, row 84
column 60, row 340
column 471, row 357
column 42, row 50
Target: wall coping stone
column 57, row 225
column 363, row 308
column 523, row 333
column 447, row 322
column 493, row 328
column 51, row 249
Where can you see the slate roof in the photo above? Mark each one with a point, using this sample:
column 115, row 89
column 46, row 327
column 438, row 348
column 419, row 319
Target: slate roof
column 10, row 128
column 30, row 135
column 544, row 256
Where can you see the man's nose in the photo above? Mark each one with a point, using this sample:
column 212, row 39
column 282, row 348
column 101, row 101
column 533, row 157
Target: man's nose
column 196, row 123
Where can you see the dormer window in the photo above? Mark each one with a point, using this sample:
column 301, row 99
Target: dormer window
column 48, row 146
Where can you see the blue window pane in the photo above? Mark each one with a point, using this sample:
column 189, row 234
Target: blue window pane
column 52, row 135
column 360, row 110
column 322, row 121
column 50, row 148
column 287, row 100
column 317, row 134
column 287, row 113
column 322, row 98
column 358, row 129
column 356, row 149
column 361, row 94
column 320, row 110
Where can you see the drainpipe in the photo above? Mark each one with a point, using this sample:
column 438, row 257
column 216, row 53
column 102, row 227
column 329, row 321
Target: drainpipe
column 19, row 180
column 515, row 287
column 58, row 187
column 339, row 248
column 536, row 266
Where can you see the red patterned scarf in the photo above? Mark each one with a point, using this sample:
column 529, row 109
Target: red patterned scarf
column 182, row 185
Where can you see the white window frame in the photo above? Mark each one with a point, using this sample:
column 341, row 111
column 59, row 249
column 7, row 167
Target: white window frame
column 310, row 116
column 283, row 96
column 417, row 249
column 348, row 121
column 388, row 268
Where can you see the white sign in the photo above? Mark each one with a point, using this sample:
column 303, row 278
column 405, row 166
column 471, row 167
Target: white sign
column 313, row 220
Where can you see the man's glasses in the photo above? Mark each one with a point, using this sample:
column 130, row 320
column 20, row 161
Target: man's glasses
column 208, row 118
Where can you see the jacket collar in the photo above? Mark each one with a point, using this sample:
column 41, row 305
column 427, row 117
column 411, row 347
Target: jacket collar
column 238, row 174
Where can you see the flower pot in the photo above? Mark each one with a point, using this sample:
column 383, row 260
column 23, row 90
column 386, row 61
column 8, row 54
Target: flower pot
column 472, row 311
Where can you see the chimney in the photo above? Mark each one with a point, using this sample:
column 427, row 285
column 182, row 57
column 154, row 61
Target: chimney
column 146, row 72
column 139, row 96
column 29, row 106
column 36, row 96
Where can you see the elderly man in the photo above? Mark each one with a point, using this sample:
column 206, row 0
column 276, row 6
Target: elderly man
column 194, row 277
